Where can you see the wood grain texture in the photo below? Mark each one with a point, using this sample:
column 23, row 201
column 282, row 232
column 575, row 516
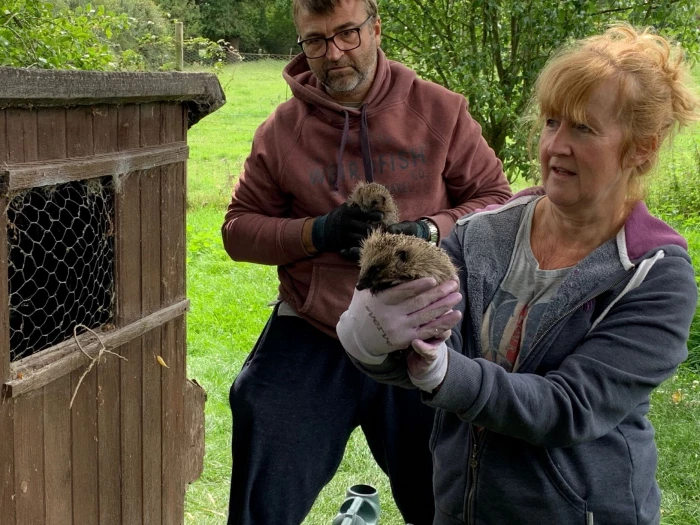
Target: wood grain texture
column 29, row 459
column 172, row 123
column 53, row 363
column 128, row 127
column 4, row 298
column 51, row 133
column 21, row 125
column 200, row 93
column 105, row 127
column 15, row 177
column 150, row 116
column 8, row 503
column 109, row 440
column 58, row 452
column 3, row 138
column 79, row 132
column 195, row 398
column 128, row 309
column 151, row 341
column 83, row 417
column 173, row 274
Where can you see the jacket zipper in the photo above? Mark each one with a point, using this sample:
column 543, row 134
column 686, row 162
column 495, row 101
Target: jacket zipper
column 473, row 459
column 473, row 465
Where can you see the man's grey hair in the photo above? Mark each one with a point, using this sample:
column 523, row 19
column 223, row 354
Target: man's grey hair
column 326, row 7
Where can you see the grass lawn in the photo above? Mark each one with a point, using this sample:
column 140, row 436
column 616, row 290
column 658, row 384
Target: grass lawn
column 229, row 309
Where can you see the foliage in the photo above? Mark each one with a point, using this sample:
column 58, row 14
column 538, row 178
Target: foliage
column 254, row 24
column 281, row 35
column 232, row 19
column 150, row 34
column 492, row 50
column 185, row 11
column 205, row 52
column 35, row 34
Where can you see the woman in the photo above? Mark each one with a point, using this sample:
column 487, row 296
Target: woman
column 575, row 304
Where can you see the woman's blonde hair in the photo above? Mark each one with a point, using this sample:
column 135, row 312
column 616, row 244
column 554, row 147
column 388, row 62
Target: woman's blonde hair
column 653, row 100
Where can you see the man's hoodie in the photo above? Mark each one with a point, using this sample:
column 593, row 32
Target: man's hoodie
column 413, row 136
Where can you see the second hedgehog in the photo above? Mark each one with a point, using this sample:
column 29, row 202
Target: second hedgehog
column 373, row 196
column 388, row 259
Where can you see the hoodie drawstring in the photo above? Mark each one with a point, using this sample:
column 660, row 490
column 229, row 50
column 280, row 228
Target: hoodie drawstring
column 346, row 131
column 364, row 148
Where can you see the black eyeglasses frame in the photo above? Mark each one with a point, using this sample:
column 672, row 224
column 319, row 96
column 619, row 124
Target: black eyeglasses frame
column 332, row 39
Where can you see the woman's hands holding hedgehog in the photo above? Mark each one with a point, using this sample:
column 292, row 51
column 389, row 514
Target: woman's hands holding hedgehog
column 417, row 313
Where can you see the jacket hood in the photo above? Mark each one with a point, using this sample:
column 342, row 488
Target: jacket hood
column 641, row 234
column 392, row 82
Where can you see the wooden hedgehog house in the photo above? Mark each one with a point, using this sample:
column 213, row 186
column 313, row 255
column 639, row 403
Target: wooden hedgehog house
column 98, row 423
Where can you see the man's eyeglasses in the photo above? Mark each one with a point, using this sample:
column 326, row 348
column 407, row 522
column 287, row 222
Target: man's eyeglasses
column 345, row 40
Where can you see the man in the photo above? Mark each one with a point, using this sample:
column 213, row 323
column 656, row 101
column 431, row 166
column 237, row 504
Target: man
column 354, row 116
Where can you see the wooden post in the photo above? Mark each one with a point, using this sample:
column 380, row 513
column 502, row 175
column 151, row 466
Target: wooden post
column 179, row 46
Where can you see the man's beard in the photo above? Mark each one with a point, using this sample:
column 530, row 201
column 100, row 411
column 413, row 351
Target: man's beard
column 349, row 81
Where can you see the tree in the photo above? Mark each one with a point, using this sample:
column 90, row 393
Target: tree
column 492, row 50
column 185, row 11
column 34, row 34
column 231, row 19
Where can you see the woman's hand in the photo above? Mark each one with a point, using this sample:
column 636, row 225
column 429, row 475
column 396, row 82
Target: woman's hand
column 376, row 325
column 427, row 364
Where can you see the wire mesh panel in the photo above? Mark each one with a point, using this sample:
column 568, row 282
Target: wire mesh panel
column 61, row 262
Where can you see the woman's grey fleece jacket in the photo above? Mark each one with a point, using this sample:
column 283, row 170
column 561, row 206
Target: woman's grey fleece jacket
column 564, row 439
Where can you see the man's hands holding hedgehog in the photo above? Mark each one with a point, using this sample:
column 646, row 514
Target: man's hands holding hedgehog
column 344, row 227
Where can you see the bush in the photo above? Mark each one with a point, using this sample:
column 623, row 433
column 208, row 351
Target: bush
column 35, row 34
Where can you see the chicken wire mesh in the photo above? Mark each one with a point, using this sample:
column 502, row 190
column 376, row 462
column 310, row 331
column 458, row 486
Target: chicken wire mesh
column 61, row 262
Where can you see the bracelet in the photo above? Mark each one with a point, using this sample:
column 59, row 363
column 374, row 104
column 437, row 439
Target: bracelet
column 432, row 229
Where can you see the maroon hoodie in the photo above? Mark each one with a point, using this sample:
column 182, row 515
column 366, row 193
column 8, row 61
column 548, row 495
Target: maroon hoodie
column 413, row 136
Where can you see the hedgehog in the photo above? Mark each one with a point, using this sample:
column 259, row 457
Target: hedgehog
column 388, row 259
column 372, row 196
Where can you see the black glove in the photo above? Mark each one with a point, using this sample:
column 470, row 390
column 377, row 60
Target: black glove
column 351, row 254
column 415, row 228
column 343, row 227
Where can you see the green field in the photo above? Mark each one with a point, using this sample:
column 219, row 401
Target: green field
column 229, row 308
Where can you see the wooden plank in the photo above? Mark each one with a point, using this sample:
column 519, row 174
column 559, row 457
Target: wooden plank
column 195, row 398
column 173, row 437
column 57, row 452
column 150, row 302
column 173, row 240
column 172, row 123
column 34, row 87
column 128, row 309
column 4, row 296
column 84, row 448
column 8, row 502
column 51, row 133
column 173, row 274
column 21, row 127
column 150, row 117
column 105, row 124
column 29, row 459
column 15, row 177
column 109, row 443
column 3, row 138
column 55, row 362
column 79, row 132
column 128, row 131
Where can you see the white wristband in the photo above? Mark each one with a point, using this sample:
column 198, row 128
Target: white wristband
column 348, row 334
column 433, row 376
